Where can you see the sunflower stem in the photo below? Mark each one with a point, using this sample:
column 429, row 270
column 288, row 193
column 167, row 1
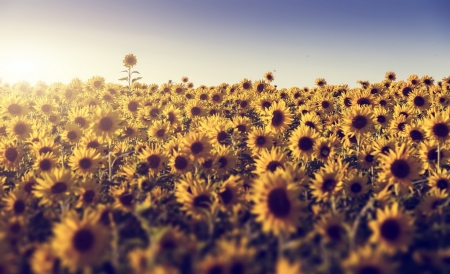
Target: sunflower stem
column 438, row 155
column 361, row 214
column 109, row 163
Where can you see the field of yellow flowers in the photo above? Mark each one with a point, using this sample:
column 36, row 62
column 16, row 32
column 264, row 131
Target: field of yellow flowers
column 236, row 178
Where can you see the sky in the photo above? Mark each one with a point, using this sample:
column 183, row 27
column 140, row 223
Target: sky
column 212, row 41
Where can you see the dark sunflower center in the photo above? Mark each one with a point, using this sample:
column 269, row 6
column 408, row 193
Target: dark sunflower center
column 334, row 232
column 126, row 199
column 305, row 143
column 28, row 187
column 97, row 84
column 19, row 207
column 310, row 124
column 385, row 150
column 15, row 109
column 390, row 230
column 58, row 188
column 132, row 106
column 348, row 102
column 369, row 158
column 381, row 119
column 400, row 168
column 363, row 101
column 406, row 91
column 416, row 135
column 106, row 124
column 325, row 104
column 197, row 148
column 85, row 163
column 20, row 129
column 45, row 165
column 279, row 203
column 419, row 101
column 216, row 97
column 359, row 122
column 266, row 104
column 88, row 196
column 273, row 165
column 72, row 135
column 93, row 144
column 83, row 240
column 223, row 162
column 160, row 133
column 440, row 130
column 329, row 185
column 356, row 187
column 11, row 154
column 180, row 163
column 207, row 164
column 178, row 90
column 46, row 108
column 153, row 161
column 226, row 195
column 81, row 121
column 277, row 118
column 324, row 151
column 154, row 113
column 129, row 131
column 427, row 82
column 442, row 184
column 432, row 154
column 196, row 111
column 202, row 201
column 171, row 117
column 243, row 104
column 241, row 128
column 221, row 137
column 246, row 85
column 401, row 126
column 203, row 96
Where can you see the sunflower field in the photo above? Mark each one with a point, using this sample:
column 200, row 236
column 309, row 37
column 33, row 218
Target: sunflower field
column 236, row 178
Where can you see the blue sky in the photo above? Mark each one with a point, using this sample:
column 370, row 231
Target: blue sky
column 225, row 41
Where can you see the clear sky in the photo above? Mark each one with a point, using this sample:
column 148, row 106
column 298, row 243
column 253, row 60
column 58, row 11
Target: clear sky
column 213, row 41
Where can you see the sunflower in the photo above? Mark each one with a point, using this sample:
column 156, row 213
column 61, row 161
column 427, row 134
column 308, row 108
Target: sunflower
column 324, row 103
column 381, row 117
column 79, row 116
column 269, row 76
column 54, row 186
column 403, row 110
column 415, row 132
column 269, row 161
column 27, row 183
column 324, row 148
column 10, row 155
column 397, row 125
column 302, row 142
column 106, row 124
column 85, row 162
column 43, row 259
column 367, row 260
column 96, row 83
column 432, row 202
column 427, row 80
column 180, row 163
column 16, row 202
column 245, row 84
column 356, row 184
column 366, row 157
column 196, row 145
column 80, row 244
column 154, row 158
column 226, row 160
column 231, row 193
column 195, row 195
column 333, row 228
column 19, row 128
column 45, row 106
column 312, row 120
column 89, row 193
column 399, row 167
column 419, row 100
column 357, row 121
column 439, row 179
column 362, row 98
column 392, row 229
column 414, row 80
column 276, row 204
column 278, row 117
column 383, row 146
column 159, row 131
column 45, row 163
column 172, row 115
column 129, row 60
column 131, row 105
column 438, row 127
column 13, row 105
column 72, row 133
column 124, row 197
column 259, row 139
column 130, row 130
column 327, row 182
column 428, row 153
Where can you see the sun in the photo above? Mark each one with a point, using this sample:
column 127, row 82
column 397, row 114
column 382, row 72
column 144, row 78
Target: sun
column 20, row 67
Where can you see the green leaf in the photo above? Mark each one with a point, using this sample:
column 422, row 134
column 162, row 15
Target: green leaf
column 135, row 79
column 135, row 72
column 123, row 79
